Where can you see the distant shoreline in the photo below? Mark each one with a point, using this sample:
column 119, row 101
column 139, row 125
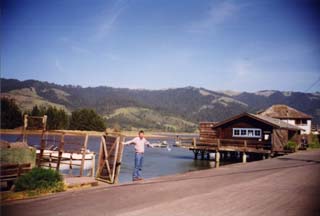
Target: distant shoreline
column 148, row 134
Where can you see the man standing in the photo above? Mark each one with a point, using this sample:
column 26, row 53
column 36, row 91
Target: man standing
column 139, row 143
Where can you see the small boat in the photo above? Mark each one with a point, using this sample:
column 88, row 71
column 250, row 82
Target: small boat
column 162, row 144
column 67, row 159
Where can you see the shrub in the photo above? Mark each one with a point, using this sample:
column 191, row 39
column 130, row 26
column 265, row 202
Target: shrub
column 291, row 145
column 314, row 142
column 40, row 180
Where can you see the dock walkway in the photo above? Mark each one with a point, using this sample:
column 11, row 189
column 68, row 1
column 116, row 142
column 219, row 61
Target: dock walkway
column 287, row 185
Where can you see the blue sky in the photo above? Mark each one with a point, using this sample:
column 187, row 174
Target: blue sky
column 220, row 44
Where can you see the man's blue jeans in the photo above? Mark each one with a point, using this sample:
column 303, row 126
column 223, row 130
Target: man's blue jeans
column 138, row 160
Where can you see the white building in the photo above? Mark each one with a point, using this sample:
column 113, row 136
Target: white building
column 291, row 116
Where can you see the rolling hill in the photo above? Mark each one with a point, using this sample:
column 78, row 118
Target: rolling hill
column 178, row 109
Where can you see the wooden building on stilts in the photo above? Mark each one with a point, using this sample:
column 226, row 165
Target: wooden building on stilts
column 245, row 134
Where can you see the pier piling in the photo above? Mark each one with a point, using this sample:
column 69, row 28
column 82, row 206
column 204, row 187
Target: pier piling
column 202, row 155
column 217, row 156
column 244, row 157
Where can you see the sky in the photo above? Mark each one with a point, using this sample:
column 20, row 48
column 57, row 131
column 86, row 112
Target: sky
column 240, row 45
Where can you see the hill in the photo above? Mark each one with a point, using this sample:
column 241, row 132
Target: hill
column 177, row 109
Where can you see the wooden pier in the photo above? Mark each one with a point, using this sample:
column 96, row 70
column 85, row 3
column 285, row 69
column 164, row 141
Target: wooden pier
column 226, row 147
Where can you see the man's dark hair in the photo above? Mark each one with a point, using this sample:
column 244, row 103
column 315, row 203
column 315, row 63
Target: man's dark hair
column 141, row 132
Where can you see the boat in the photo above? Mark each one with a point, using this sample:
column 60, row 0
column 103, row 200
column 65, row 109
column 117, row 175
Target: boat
column 162, row 144
column 67, row 159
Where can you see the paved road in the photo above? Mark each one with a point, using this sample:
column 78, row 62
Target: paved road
column 288, row 185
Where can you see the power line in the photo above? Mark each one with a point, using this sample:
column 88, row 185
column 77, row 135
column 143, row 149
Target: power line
column 312, row 85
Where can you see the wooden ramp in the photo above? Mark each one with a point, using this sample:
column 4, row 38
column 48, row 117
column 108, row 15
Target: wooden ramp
column 110, row 156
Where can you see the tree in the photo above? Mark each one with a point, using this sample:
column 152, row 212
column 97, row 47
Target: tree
column 86, row 119
column 57, row 118
column 11, row 116
column 38, row 111
column 35, row 111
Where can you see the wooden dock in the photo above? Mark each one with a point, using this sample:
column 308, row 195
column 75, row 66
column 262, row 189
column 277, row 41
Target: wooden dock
column 204, row 147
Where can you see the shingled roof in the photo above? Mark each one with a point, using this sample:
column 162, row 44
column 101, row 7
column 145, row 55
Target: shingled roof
column 281, row 111
column 277, row 123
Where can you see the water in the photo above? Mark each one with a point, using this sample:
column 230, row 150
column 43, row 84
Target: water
column 157, row 161
column 160, row 162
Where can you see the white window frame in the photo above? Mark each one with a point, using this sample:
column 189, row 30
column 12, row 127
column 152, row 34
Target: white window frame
column 247, row 132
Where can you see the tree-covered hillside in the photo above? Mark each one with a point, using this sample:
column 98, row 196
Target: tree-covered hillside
column 131, row 108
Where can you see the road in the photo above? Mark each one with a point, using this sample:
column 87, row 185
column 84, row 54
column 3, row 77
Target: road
column 288, row 185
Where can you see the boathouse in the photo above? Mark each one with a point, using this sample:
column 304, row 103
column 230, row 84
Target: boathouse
column 290, row 115
column 258, row 131
column 246, row 132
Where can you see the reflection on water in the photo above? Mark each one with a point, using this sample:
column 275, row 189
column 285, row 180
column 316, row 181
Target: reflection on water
column 157, row 161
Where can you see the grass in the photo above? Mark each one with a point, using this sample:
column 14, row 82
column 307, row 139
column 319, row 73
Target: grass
column 28, row 97
column 131, row 117
column 13, row 195
column 18, row 155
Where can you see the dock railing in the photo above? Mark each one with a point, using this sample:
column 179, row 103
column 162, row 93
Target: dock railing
column 231, row 145
column 187, row 142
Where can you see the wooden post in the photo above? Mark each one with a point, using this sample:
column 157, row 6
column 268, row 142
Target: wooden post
column 194, row 142
column 93, row 165
column 202, row 155
column 219, row 143
column 25, row 125
column 61, row 145
column 70, row 164
column 195, row 154
column 119, row 159
column 217, row 159
column 50, row 160
column 113, row 177
column 244, row 157
column 84, row 151
column 44, row 122
column 42, row 148
column 217, row 156
column 100, row 163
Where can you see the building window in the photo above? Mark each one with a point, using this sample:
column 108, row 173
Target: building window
column 236, row 132
column 257, row 133
column 243, row 132
column 301, row 121
column 246, row 132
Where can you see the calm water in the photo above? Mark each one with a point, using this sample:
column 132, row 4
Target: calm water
column 157, row 161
